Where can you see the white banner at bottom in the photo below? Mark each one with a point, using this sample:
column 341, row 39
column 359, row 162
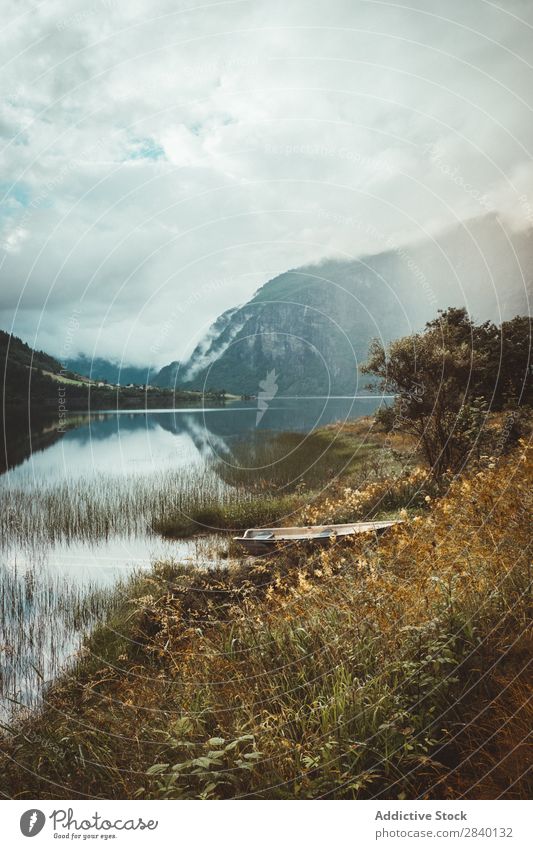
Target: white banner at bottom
column 258, row 824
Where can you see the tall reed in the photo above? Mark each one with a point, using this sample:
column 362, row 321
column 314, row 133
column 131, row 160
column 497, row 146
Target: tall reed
column 94, row 507
column 43, row 620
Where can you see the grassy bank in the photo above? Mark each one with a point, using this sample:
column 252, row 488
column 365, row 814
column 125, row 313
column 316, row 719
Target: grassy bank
column 243, row 511
column 363, row 670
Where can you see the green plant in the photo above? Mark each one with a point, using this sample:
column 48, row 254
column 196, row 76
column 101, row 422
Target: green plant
column 214, row 769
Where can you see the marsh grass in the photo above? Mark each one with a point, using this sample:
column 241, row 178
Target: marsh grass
column 233, row 514
column 342, row 674
column 263, row 481
column 100, row 505
column 287, row 478
column 43, row 620
column 175, row 503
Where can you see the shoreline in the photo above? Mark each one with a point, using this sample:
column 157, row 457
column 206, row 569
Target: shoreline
column 177, row 623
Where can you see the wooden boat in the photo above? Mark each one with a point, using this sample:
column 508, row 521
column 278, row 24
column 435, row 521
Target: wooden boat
column 264, row 540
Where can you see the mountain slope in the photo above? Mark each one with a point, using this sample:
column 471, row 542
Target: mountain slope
column 313, row 325
column 16, row 352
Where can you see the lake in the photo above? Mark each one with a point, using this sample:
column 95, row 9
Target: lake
column 53, row 585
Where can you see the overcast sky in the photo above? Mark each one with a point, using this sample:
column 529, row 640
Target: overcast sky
column 160, row 160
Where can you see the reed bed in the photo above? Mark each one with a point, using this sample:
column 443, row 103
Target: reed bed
column 286, row 478
column 264, row 480
column 95, row 507
column 43, row 620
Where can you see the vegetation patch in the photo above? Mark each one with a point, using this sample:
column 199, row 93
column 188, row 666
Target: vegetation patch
column 238, row 513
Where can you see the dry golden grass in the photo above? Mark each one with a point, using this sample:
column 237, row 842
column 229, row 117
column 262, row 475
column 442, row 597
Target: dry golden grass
column 490, row 754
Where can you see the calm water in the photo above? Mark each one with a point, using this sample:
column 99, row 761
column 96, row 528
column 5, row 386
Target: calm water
column 137, row 442
column 42, row 583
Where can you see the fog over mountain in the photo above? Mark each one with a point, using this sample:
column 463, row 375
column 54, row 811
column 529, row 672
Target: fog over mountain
column 111, row 371
column 161, row 162
column 313, row 325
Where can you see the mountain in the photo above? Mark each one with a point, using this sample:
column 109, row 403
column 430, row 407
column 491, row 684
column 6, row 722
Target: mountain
column 98, row 368
column 307, row 330
column 177, row 374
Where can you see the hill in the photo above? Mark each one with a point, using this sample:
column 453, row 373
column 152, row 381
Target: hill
column 36, row 385
column 19, row 353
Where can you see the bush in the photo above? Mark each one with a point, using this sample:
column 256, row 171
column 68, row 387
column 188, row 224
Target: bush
column 385, row 417
column 447, row 379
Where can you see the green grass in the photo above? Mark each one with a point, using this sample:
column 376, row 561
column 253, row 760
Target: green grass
column 237, row 514
column 60, row 378
column 293, row 461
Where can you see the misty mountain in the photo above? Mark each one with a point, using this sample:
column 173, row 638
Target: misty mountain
column 98, row 368
column 310, row 327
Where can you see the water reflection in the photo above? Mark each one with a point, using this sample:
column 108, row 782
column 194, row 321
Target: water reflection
column 134, row 442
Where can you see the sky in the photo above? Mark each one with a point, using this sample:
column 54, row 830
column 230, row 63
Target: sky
column 161, row 160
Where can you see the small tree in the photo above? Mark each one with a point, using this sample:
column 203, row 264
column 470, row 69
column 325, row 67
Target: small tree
column 515, row 365
column 439, row 378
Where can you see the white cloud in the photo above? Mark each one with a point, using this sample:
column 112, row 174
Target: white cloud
column 148, row 150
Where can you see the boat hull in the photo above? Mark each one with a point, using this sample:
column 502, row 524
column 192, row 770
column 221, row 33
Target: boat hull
column 258, row 541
